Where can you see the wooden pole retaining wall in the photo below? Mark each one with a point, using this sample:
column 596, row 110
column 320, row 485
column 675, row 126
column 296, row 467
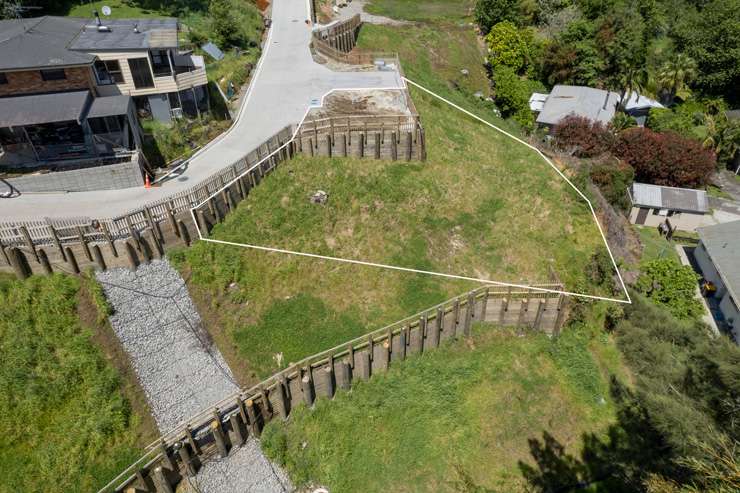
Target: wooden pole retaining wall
column 213, row 432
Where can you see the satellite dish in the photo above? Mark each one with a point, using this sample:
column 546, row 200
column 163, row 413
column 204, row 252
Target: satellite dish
column 106, row 10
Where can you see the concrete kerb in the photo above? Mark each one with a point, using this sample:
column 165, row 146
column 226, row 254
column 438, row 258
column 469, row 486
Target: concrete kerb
column 406, row 269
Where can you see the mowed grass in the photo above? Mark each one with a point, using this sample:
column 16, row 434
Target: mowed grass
column 456, row 419
column 65, row 423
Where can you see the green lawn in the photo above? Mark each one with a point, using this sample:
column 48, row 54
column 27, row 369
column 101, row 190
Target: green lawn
column 120, row 9
column 414, row 10
column 66, row 425
column 654, row 245
column 456, row 419
column 481, row 206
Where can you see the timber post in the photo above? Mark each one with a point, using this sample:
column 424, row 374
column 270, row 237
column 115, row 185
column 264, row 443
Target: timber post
column 44, row 261
column 72, row 261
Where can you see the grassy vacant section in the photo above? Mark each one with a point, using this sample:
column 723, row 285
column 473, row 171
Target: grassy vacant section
column 434, row 53
column 457, row 419
column 415, row 10
column 65, row 424
column 481, row 206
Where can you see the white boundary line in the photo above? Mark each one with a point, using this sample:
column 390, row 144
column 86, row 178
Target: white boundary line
column 406, row 269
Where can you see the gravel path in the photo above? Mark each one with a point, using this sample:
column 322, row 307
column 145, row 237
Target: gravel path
column 180, row 370
column 244, row 470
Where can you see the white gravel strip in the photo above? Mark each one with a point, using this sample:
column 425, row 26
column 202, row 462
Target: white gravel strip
column 180, row 370
column 178, row 367
column 245, row 470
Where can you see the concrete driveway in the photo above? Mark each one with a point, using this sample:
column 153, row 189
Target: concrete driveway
column 285, row 82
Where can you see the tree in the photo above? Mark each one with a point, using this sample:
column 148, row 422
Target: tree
column 665, row 158
column 507, row 46
column 582, row 137
column 488, row 13
column 633, row 80
column 711, row 36
column 512, row 95
column 235, row 23
column 674, row 78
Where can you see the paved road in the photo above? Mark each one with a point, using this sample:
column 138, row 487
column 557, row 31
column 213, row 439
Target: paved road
column 286, row 82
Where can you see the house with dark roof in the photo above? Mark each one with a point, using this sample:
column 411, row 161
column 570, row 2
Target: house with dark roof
column 684, row 208
column 71, row 89
column 718, row 257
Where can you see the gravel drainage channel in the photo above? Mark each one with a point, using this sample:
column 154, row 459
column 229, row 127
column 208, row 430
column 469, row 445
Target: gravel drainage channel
column 180, row 369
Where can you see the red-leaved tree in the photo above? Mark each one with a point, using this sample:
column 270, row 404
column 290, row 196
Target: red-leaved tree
column 665, row 158
column 582, row 137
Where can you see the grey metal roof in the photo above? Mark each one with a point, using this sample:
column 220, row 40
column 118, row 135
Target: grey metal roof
column 39, row 42
column 123, row 35
column 722, row 242
column 44, row 108
column 594, row 104
column 671, row 198
column 109, row 106
column 637, row 101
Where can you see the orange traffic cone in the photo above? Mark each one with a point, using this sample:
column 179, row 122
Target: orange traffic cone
column 147, row 183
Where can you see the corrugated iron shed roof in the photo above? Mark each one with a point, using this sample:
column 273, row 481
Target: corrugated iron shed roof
column 671, row 198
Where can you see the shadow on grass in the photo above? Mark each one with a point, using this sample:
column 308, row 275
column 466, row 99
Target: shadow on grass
column 618, row 461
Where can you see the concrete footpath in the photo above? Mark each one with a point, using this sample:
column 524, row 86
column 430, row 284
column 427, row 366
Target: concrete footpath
column 181, row 371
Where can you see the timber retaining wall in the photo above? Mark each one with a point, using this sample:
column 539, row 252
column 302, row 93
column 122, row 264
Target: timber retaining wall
column 215, row 431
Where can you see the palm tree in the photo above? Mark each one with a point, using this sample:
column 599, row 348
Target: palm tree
column 634, row 79
column 675, row 76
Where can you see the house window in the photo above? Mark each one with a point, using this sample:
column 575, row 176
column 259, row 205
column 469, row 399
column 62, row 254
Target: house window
column 160, row 63
column 53, row 74
column 3, row 78
column 141, row 73
column 108, row 72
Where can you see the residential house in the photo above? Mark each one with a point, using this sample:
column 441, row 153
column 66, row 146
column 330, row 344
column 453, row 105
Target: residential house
column 70, row 89
column 684, row 208
column 141, row 58
column 50, row 111
column 718, row 257
column 638, row 106
column 595, row 104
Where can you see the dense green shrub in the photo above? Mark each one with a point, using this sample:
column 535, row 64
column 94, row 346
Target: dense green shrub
column 488, row 13
column 235, row 23
column 512, row 96
column 613, row 181
column 668, row 283
column 508, row 46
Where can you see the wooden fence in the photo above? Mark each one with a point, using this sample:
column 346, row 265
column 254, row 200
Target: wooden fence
column 380, row 136
column 46, row 245
column 215, row 431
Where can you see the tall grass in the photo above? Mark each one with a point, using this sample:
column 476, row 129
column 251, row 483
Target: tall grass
column 65, row 424
column 456, row 419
